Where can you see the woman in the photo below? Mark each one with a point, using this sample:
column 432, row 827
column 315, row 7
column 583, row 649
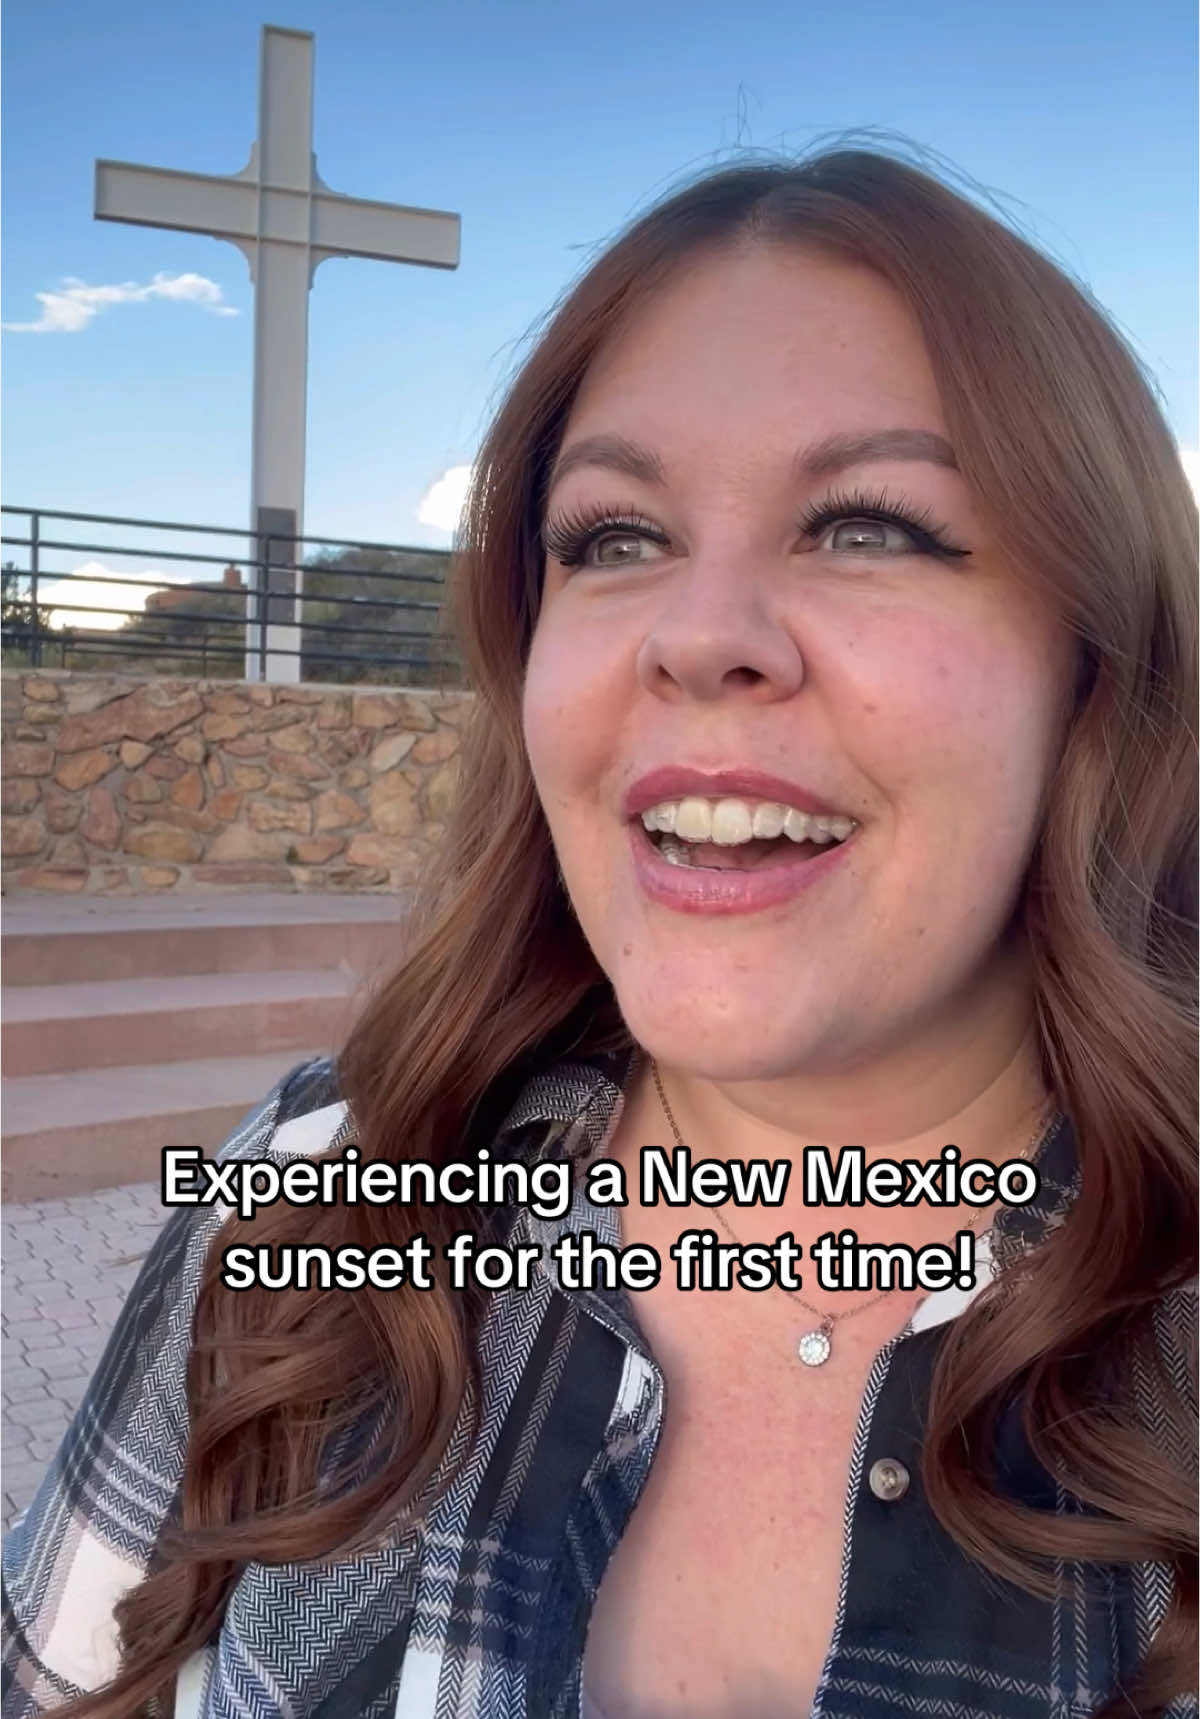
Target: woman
column 829, row 589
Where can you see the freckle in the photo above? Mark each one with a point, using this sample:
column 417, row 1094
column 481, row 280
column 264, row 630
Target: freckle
column 627, row 948
column 870, row 709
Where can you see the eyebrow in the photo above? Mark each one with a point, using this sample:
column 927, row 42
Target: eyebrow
column 821, row 459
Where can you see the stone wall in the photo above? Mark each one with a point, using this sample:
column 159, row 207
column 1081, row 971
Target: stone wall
column 118, row 785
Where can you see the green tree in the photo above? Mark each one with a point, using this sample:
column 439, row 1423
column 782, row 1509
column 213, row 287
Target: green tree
column 201, row 634
column 24, row 638
column 381, row 631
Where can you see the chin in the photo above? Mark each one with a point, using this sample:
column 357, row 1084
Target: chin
column 711, row 1035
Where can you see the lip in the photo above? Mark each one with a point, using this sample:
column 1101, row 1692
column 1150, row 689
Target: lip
column 676, row 782
column 698, row 890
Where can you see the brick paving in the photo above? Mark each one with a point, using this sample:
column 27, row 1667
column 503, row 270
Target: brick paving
column 65, row 1267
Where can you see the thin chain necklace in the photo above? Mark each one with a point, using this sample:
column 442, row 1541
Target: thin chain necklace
column 814, row 1347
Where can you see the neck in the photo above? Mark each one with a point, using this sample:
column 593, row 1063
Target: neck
column 976, row 1083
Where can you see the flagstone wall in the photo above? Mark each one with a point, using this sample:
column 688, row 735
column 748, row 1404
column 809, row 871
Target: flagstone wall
column 117, row 785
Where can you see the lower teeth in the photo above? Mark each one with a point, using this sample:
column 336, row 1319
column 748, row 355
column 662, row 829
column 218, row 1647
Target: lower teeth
column 676, row 852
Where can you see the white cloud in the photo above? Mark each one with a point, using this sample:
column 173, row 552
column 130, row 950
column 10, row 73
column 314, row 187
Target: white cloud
column 102, row 600
column 1191, row 466
column 442, row 503
column 75, row 304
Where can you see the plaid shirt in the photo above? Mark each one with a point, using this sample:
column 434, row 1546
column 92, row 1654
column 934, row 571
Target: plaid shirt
column 480, row 1607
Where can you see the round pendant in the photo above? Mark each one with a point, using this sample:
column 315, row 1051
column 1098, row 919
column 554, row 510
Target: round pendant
column 814, row 1348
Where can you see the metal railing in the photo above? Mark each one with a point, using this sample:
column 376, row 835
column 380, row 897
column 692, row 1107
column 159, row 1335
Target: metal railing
column 365, row 611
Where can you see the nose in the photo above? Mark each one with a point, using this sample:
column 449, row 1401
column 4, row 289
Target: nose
column 718, row 630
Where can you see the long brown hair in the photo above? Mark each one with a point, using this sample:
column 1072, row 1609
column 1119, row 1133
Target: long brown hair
column 1060, row 437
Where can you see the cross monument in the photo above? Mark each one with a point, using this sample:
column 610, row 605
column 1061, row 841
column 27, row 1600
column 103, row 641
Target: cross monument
column 285, row 220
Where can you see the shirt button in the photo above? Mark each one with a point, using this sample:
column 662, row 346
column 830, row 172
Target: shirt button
column 888, row 1479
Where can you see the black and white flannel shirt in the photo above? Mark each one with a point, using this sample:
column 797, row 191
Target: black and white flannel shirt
column 480, row 1609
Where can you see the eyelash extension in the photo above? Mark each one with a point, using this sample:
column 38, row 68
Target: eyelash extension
column 841, row 508
column 568, row 537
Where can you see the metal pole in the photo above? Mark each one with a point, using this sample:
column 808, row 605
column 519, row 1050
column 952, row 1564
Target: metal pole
column 264, row 583
column 35, row 643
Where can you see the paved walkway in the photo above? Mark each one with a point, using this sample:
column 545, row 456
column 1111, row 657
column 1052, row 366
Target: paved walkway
column 65, row 1267
column 40, row 913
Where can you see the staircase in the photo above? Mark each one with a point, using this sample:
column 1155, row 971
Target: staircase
column 137, row 1023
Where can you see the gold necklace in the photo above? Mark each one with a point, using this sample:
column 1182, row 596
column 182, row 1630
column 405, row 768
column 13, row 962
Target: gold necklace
column 814, row 1347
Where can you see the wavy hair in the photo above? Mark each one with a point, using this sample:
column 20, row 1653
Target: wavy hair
column 1059, row 435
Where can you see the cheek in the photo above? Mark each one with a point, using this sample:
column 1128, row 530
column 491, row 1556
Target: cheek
column 567, row 713
column 958, row 740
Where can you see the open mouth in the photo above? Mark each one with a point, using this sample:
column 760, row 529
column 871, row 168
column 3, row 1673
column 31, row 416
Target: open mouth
column 740, row 835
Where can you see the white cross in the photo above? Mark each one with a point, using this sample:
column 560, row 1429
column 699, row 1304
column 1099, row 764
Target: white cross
column 285, row 220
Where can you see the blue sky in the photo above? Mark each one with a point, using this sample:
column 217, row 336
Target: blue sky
column 546, row 124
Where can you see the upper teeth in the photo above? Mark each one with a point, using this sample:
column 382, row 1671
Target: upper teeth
column 730, row 822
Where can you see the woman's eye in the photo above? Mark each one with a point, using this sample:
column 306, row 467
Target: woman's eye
column 619, row 543
column 837, row 525
column 867, row 537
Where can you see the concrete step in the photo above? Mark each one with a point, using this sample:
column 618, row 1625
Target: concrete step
column 100, row 1128
column 77, row 941
column 61, row 1028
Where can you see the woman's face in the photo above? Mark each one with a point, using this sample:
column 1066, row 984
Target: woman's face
column 761, row 634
